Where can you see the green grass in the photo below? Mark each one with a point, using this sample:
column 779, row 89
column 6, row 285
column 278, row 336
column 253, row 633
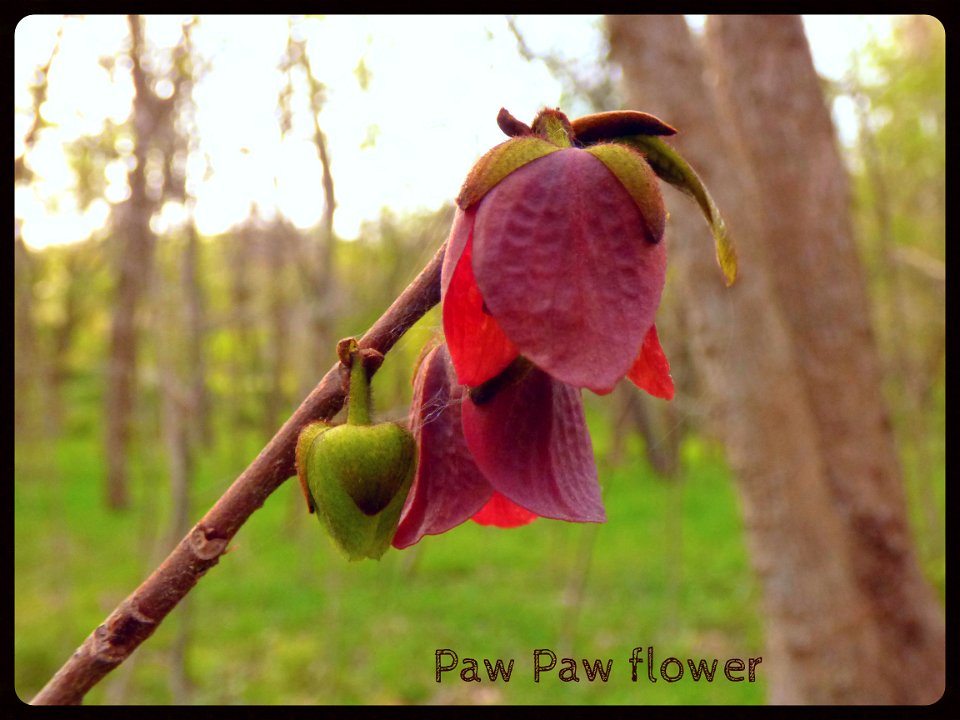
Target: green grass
column 283, row 619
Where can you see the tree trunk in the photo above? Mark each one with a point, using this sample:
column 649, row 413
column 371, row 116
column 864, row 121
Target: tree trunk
column 135, row 262
column 820, row 281
column 823, row 520
column 318, row 264
column 244, row 365
column 64, row 333
column 28, row 358
column 282, row 239
column 199, row 404
column 904, row 366
column 26, row 355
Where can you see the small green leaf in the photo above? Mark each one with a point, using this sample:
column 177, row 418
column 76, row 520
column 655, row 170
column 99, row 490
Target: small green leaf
column 672, row 168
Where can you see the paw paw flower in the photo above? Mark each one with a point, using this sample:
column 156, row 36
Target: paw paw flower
column 556, row 251
column 550, row 283
column 503, row 460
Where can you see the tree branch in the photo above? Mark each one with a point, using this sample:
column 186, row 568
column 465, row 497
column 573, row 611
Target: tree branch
column 135, row 619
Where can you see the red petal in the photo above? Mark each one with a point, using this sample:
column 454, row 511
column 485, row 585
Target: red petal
column 460, row 232
column 501, row 512
column 478, row 347
column 448, row 487
column 651, row 370
column 531, row 443
column 564, row 263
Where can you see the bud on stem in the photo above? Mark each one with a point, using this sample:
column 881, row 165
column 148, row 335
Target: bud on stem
column 357, row 475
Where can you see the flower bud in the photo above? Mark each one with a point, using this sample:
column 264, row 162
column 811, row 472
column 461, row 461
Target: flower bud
column 357, row 476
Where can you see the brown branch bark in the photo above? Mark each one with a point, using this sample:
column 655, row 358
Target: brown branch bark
column 135, row 619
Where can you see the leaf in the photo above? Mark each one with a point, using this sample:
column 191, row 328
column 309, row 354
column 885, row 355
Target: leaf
column 672, row 168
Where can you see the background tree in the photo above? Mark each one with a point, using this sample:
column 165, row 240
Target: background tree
column 317, row 257
column 795, row 381
column 899, row 212
column 134, row 259
column 27, row 355
column 25, row 344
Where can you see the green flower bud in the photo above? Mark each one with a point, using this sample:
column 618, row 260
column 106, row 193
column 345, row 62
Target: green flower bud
column 357, row 476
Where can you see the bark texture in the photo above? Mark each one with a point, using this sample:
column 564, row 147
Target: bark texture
column 790, row 141
column 787, row 359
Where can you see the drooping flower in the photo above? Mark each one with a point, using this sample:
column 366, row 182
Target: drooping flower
column 550, row 283
column 555, row 254
column 504, row 460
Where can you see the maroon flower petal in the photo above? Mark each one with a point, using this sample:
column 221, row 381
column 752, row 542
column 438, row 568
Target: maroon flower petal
column 651, row 370
column 448, row 487
column 501, row 512
column 478, row 346
column 562, row 260
column 531, row 443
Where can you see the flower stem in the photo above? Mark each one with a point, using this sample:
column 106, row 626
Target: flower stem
column 358, row 400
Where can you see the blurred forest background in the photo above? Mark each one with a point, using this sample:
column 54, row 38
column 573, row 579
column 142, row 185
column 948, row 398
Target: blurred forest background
column 153, row 360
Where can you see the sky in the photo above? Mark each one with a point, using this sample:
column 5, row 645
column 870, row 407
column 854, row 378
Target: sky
column 405, row 141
